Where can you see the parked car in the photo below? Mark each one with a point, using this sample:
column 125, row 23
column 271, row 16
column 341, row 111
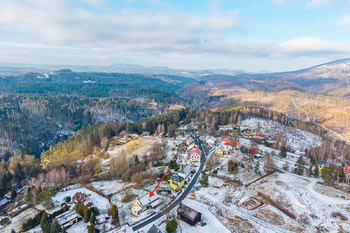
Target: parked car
column 203, row 224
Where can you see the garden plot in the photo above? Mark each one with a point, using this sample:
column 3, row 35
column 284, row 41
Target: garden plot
column 295, row 193
column 331, row 192
column 297, row 139
column 16, row 222
column 98, row 201
column 110, row 187
column 124, row 208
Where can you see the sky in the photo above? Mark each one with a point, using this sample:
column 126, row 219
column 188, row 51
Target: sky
column 272, row 35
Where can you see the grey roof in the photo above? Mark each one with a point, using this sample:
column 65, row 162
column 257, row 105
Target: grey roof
column 177, row 178
column 66, row 217
column 185, row 169
column 154, row 229
column 145, row 200
column 187, row 211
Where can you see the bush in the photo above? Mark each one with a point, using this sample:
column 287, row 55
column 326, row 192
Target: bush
column 171, row 226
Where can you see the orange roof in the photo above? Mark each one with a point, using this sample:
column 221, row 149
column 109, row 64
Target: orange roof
column 347, row 169
column 229, row 142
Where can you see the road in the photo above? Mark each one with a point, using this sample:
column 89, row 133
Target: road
column 181, row 198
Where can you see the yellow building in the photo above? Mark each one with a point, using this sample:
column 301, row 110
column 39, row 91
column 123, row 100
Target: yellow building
column 222, row 151
column 176, row 182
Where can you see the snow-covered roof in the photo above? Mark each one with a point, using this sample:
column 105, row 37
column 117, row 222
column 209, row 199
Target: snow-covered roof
column 157, row 202
column 187, row 211
column 177, row 178
column 137, row 208
column 185, row 169
column 66, row 217
column 145, row 199
column 155, row 229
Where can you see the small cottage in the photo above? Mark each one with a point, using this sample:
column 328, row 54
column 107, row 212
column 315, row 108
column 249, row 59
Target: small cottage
column 188, row 215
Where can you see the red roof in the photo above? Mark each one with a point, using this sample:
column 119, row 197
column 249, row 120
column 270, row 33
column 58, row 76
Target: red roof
column 79, row 197
column 252, row 151
column 347, row 169
column 123, row 131
column 247, row 132
column 196, row 150
column 229, row 142
column 260, row 135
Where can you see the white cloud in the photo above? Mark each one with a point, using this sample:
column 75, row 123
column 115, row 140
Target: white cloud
column 312, row 46
column 312, row 4
column 344, row 20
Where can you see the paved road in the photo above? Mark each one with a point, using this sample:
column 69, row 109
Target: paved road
column 181, row 198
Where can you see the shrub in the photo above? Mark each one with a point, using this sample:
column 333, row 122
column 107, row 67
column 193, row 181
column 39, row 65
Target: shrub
column 171, row 226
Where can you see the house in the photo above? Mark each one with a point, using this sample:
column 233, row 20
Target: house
column 146, row 133
column 237, row 157
column 79, row 197
column 19, row 189
column 185, row 171
column 347, row 169
column 177, row 182
column 155, row 229
column 252, row 152
column 229, row 144
column 191, row 146
column 102, row 218
column 222, row 151
column 260, row 136
column 4, row 204
column 320, row 165
column 189, row 140
column 195, row 155
column 67, row 219
column 123, row 132
column 188, row 215
column 82, row 198
column 145, row 202
column 347, row 175
column 163, row 135
column 211, row 140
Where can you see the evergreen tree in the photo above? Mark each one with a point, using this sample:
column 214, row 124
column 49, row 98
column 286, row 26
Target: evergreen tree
column 283, row 152
column 44, row 223
column 300, row 165
column 81, row 210
column 316, row 171
column 13, row 231
column 87, row 214
column 92, row 218
column 64, row 230
column 76, row 207
column 91, row 228
column 137, row 161
column 13, row 194
column 28, row 197
column 327, row 175
column 55, row 227
column 257, row 167
column 19, row 173
column 115, row 212
column 310, row 171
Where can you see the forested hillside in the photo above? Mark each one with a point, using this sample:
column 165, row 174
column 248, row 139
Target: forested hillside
column 88, row 139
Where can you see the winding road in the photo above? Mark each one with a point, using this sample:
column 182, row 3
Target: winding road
column 179, row 199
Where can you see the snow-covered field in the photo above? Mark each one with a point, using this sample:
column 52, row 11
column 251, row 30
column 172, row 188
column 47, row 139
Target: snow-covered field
column 110, row 187
column 312, row 209
column 100, row 202
column 297, row 139
column 19, row 220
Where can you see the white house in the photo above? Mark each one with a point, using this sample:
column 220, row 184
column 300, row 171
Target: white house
column 189, row 140
column 195, row 155
column 191, row 146
column 211, row 140
column 185, row 171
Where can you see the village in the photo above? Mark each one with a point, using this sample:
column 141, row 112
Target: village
column 253, row 176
